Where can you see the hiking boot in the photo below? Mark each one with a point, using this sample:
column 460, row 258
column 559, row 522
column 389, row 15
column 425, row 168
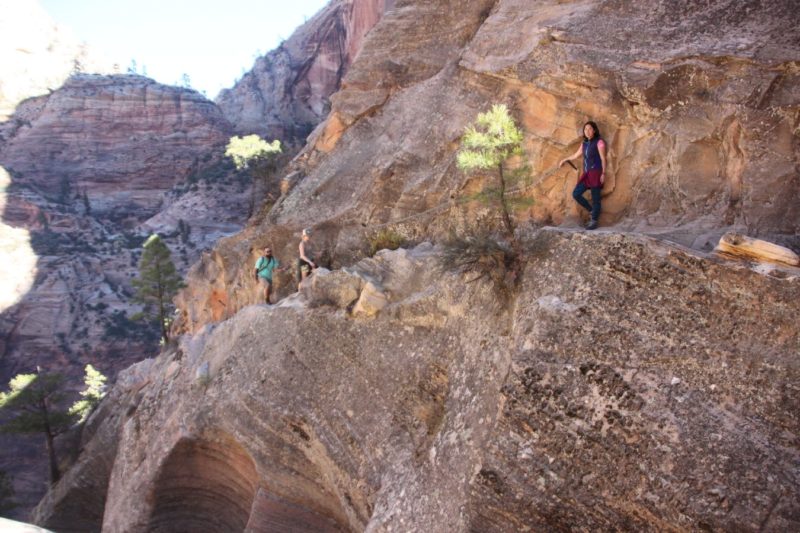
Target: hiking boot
column 592, row 224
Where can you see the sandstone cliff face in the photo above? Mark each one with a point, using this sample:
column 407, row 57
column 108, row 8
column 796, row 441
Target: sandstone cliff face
column 699, row 108
column 628, row 384
column 96, row 133
column 468, row 408
column 285, row 95
column 86, row 168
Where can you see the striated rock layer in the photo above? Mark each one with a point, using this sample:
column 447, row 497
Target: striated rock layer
column 626, row 384
column 286, row 93
column 85, row 169
column 85, row 174
column 98, row 133
column 699, row 106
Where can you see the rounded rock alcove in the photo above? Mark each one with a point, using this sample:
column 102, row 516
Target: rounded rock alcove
column 204, row 486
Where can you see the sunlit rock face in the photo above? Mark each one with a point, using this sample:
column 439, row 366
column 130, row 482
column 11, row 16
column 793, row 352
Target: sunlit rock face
column 103, row 159
column 599, row 396
column 700, row 119
column 286, row 94
column 624, row 384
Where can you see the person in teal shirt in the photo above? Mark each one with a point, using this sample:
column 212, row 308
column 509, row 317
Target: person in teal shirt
column 265, row 266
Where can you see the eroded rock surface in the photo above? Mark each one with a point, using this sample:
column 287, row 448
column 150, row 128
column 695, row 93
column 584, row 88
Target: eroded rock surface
column 90, row 167
column 286, row 93
column 628, row 384
column 701, row 121
column 86, row 173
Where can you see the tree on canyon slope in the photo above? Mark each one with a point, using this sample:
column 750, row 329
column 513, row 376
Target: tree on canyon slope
column 158, row 283
column 90, row 396
column 490, row 145
column 253, row 153
column 36, row 403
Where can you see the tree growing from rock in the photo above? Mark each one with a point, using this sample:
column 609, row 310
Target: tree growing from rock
column 490, row 145
column 253, row 153
column 35, row 401
column 90, row 396
column 158, row 283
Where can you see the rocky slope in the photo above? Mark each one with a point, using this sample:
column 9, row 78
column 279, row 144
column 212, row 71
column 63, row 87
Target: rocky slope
column 627, row 385
column 286, row 94
column 701, row 121
column 89, row 168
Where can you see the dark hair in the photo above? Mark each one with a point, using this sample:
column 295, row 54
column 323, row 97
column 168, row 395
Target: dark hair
column 593, row 124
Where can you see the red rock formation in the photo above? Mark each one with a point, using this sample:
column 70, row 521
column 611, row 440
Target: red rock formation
column 102, row 158
column 699, row 106
column 286, row 93
column 700, row 118
column 124, row 140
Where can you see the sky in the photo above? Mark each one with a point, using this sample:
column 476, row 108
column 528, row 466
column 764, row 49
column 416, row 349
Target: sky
column 213, row 41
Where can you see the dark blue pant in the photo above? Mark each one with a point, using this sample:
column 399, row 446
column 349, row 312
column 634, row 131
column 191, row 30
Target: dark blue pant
column 594, row 209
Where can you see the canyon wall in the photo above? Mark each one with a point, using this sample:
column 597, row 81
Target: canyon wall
column 626, row 383
column 286, row 93
column 699, row 108
column 87, row 172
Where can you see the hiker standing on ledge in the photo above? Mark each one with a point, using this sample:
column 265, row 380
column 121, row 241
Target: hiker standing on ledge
column 305, row 263
column 593, row 177
column 265, row 265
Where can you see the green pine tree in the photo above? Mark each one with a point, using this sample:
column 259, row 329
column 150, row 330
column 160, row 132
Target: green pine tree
column 253, row 153
column 158, row 282
column 36, row 402
column 95, row 390
column 490, row 145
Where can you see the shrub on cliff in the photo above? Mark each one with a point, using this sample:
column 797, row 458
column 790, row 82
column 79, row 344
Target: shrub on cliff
column 492, row 145
column 95, row 390
column 384, row 239
column 158, row 283
column 259, row 156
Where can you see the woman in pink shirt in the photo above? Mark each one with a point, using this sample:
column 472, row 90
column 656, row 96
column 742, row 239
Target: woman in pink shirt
column 593, row 149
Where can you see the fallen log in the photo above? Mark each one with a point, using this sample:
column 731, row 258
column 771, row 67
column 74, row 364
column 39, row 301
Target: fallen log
column 745, row 247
